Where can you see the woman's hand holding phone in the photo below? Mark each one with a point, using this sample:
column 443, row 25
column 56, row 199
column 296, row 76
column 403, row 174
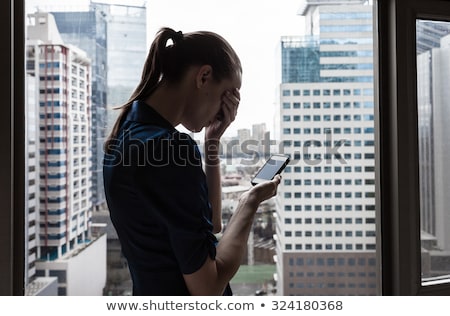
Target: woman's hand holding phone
column 273, row 166
column 261, row 192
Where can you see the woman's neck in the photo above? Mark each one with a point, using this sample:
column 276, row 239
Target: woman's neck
column 168, row 102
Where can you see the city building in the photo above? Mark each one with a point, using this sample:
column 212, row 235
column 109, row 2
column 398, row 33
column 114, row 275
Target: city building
column 326, row 207
column 429, row 34
column 62, row 77
column 262, row 136
column 432, row 71
column 126, row 45
column 31, row 180
column 244, row 143
column 114, row 37
column 87, row 30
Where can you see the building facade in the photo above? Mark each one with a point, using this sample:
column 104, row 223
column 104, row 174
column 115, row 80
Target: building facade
column 114, row 37
column 32, row 179
column 62, row 77
column 127, row 49
column 433, row 67
column 87, row 30
column 326, row 215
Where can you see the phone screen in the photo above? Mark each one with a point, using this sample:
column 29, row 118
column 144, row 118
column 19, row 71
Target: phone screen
column 273, row 166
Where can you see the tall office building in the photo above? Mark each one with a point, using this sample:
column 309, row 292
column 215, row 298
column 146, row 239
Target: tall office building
column 36, row 286
column 87, row 30
column 326, row 215
column 241, row 146
column 429, row 34
column 114, row 37
column 433, row 68
column 126, row 44
column 32, row 179
column 63, row 79
column 262, row 136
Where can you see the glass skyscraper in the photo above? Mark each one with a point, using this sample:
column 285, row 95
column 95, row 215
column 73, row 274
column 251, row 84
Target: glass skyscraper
column 126, row 44
column 301, row 60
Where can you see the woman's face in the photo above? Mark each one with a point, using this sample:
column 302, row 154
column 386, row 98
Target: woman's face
column 208, row 104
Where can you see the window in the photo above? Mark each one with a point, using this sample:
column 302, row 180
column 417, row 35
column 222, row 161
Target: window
column 434, row 179
column 404, row 135
column 398, row 143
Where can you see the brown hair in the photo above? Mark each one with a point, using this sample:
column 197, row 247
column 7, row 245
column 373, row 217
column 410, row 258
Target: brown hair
column 170, row 62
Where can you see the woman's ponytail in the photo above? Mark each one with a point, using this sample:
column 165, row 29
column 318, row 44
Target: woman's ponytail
column 169, row 63
column 150, row 78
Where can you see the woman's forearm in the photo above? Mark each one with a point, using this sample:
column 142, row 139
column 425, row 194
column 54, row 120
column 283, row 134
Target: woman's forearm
column 232, row 245
column 213, row 180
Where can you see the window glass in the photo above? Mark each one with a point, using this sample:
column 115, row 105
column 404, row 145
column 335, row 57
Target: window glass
column 433, row 70
column 334, row 61
column 323, row 103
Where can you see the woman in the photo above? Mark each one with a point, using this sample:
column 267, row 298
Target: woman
column 164, row 206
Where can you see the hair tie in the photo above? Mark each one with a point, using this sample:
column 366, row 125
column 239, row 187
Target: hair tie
column 178, row 36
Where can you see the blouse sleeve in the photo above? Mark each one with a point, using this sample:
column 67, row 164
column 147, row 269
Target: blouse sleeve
column 174, row 183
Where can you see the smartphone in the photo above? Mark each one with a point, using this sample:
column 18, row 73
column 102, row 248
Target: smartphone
column 275, row 165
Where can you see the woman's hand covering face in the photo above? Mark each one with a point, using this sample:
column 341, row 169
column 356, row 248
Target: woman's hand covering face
column 226, row 115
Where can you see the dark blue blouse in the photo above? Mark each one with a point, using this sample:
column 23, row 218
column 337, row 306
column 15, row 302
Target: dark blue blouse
column 158, row 201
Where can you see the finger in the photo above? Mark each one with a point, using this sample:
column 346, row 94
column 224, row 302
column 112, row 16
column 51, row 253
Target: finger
column 232, row 97
column 232, row 106
column 237, row 95
column 229, row 112
column 277, row 179
column 230, row 102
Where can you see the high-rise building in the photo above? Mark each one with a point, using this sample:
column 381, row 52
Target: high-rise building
column 87, row 30
column 114, row 37
column 32, row 179
column 326, row 215
column 243, row 142
column 429, row 34
column 262, row 137
column 433, row 68
column 258, row 131
column 63, row 82
column 126, row 44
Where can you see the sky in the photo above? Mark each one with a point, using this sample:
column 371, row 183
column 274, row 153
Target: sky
column 253, row 28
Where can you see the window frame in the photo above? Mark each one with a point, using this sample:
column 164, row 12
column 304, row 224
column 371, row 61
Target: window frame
column 12, row 157
column 397, row 164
